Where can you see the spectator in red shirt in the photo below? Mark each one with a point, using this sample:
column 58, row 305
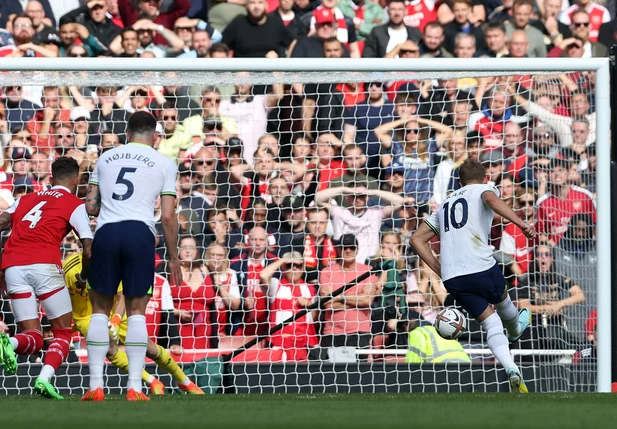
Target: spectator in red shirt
column 41, row 126
column 561, row 202
column 288, row 294
column 193, row 297
column 132, row 10
column 253, row 319
column 598, row 15
column 328, row 167
column 513, row 241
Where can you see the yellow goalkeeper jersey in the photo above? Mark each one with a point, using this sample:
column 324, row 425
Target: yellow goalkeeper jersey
column 82, row 309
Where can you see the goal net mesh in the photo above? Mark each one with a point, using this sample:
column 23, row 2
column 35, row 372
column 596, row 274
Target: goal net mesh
column 330, row 174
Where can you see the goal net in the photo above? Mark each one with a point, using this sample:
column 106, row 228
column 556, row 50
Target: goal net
column 292, row 183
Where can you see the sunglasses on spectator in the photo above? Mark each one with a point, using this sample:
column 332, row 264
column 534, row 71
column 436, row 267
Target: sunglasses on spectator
column 543, row 254
column 290, row 266
column 211, row 127
column 526, row 203
column 412, row 130
column 213, row 100
column 169, row 118
column 11, row 88
column 78, row 54
column 204, row 162
column 184, row 28
column 408, row 51
column 580, row 24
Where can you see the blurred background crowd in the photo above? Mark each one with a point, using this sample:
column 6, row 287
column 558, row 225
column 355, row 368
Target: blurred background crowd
column 288, row 191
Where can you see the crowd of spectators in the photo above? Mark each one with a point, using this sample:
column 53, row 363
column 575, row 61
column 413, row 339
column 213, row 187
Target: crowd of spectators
column 287, row 192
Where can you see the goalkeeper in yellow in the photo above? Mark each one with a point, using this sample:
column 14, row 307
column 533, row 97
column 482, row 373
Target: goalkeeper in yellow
column 82, row 310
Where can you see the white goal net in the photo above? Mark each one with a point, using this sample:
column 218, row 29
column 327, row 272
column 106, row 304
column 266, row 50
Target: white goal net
column 292, row 183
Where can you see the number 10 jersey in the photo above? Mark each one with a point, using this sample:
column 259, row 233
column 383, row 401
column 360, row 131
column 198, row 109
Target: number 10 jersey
column 463, row 222
column 40, row 221
column 130, row 178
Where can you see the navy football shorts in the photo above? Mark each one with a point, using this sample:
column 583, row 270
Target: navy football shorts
column 122, row 252
column 474, row 292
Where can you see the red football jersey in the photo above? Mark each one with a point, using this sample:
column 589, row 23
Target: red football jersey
column 598, row 15
column 40, row 221
column 420, row 12
column 554, row 214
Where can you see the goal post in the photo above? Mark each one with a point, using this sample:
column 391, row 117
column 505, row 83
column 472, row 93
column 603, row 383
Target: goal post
column 186, row 72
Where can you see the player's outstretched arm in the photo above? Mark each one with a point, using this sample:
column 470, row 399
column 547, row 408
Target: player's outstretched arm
column 170, row 234
column 419, row 241
column 93, row 200
column 5, row 221
column 503, row 210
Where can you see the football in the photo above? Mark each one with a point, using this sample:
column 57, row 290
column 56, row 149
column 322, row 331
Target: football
column 450, row 323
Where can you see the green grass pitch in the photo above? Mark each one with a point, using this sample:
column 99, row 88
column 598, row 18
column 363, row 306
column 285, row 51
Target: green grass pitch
column 379, row 411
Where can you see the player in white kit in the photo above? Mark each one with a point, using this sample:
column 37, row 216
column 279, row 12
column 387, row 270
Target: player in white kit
column 468, row 269
column 122, row 192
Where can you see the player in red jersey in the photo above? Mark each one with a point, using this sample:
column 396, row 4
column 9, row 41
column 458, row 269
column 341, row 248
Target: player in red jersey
column 33, row 270
column 561, row 202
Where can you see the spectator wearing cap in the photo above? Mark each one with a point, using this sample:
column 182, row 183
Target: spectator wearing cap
column 345, row 29
column 493, row 163
column 384, row 38
column 188, row 195
column 362, row 119
column 292, row 222
column 151, row 9
column 256, row 34
column 94, row 16
column 42, row 125
column 562, row 202
column 347, row 317
column 394, row 175
column 521, row 14
column 313, row 46
column 360, row 219
column 80, row 117
column 250, row 112
column 249, row 264
column 580, row 108
column 355, row 172
column 284, row 284
column 233, row 152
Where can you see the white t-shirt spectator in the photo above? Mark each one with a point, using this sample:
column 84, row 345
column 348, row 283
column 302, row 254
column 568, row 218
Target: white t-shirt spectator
column 251, row 116
column 365, row 227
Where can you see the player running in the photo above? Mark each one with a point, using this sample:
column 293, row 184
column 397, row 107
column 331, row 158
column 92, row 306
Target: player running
column 82, row 310
column 32, row 264
column 122, row 192
column 463, row 221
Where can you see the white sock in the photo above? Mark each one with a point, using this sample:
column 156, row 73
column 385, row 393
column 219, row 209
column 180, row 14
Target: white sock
column 136, row 344
column 14, row 342
column 508, row 314
column 97, row 342
column 497, row 341
column 47, row 373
